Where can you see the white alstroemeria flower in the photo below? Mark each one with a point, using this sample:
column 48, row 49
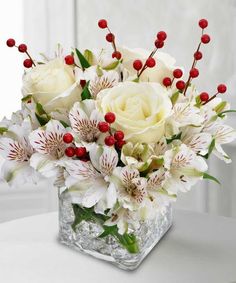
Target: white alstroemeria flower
column 16, row 150
column 184, row 167
column 90, row 183
column 132, row 189
column 197, row 141
column 98, row 80
column 124, row 219
column 183, row 114
column 84, row 119
column 48, row 143
column 222, row 134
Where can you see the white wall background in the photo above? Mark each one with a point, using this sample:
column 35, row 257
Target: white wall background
column 44, row 23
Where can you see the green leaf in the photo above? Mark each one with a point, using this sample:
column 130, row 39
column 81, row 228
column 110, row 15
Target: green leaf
column 135, row 80
column 111, row 66
column 220, row 107
column 42, row 119
column 174, row 97
column 26, row 98
column 86, row 93
column 221, row 114
column 40, row 110
column 83, row 61
column 175, row 137
column 88, row 55
column 209, row 177
column 65, row 125
column 3, row 130
column 198, row 101
column 128, row 241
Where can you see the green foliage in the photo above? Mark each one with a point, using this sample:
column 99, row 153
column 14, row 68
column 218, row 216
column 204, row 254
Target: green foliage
column 41, row 115
column 3, row 130
column 174, row 97
column 88, row 55
column 83, row 61
column 86, row 93
column 209, row 177
column 128, row 241
column 174, row 137
column 222, row 114
column 220, row 107
column 111, row 66
column 26, row 98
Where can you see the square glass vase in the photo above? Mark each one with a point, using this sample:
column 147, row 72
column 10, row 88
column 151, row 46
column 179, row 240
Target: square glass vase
column 85, row 238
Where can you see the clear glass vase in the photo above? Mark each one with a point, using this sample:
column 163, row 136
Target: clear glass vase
column 85, row 237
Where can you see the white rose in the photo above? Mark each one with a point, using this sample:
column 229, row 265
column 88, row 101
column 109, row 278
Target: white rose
column 163, row 68
column 140, row 108
column 52, row 84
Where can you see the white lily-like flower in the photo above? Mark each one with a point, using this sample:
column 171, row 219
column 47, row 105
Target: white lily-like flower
column 196, row 140
column 48, row 143
column 184, row 169
column 84, row 119
column 90, row 182
column 183, row 114
column 16, row 150
column 98, row 79
column 132, row 189
column 222, row 134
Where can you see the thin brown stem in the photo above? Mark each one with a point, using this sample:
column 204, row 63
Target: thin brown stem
column 145, row 65
column 193, row 65
column 210, row 99
column 26, row 52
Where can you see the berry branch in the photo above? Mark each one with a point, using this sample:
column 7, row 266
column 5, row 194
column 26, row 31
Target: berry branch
column 110, row 37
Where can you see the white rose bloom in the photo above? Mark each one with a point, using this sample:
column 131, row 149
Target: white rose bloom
column 52, row 84
column 140, row 108
column 164, row 64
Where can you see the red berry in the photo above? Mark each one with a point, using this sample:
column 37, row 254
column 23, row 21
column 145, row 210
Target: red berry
column 203, row 23
column 119, row 135
column 82, row 83
column 221, row 88
column 150, row 62
column 70, row 151
column 69, row 59
column 116, row 55
column 204, row 96
column 198, row 55
column 205, row 38
column 137, row 64
column 110, row 117
column 102, row 23
column 180, row 85
column 161, row 35
column 194, row 73
column 110, row 140
column 159, row 43
column 103, row 127
column 167, row 81
column 22, row 48
column 177, row 73
column 119, row 144
column 68, row 138
column 11, row 42
column 28, row 63
column 80, row 151
column 110, row 37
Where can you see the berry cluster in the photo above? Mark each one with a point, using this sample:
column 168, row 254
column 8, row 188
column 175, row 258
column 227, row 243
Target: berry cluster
column 194, row 72
column 118, row 138
column 28, row 63
column 205, row 98
column 72, row 151
column 110, row 37
column 150, row 62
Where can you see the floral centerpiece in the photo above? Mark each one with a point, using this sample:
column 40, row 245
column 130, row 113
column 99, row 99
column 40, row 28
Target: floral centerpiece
column 121, row 133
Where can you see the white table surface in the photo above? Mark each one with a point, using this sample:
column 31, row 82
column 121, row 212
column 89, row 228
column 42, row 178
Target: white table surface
column 199, row 248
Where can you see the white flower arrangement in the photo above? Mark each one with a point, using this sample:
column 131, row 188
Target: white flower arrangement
column 122, row 131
